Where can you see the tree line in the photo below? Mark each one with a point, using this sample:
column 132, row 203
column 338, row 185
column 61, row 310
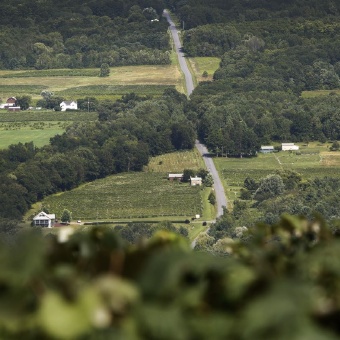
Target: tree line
column 196, row 13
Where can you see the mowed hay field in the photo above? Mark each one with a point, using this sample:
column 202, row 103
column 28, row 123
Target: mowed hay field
column 128, row 196
column 38, row 133
column 314, row 160
column 37, row 127
column 72, row 84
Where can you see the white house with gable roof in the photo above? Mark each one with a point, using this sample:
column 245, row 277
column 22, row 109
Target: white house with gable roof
column 44, row 220
column 69, row 105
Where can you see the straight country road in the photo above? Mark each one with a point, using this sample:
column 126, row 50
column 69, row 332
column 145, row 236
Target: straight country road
column 218, row 187
column 181, row 57
column 221, row 200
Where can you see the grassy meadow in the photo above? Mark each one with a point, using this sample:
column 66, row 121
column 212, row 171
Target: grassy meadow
column 39, row 133
column 74, row 83
column 312, row 160
column 201, row 64
column 36, row 126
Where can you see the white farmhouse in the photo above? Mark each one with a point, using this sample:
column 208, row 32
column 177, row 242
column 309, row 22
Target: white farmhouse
column 44, row 220
column 69, row 105
column 289, row 147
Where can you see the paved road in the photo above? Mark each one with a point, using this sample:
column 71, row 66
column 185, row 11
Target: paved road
column 218, row 187
column 181, row 58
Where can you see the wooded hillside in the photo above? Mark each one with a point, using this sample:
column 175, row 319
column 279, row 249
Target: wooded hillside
column 76, row 34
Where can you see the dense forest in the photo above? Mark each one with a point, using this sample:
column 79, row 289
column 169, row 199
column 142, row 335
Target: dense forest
column 77, row 34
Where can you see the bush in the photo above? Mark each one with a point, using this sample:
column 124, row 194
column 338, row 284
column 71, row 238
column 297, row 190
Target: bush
column 212, row 198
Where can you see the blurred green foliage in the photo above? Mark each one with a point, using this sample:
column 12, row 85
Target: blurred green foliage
column 282, row 283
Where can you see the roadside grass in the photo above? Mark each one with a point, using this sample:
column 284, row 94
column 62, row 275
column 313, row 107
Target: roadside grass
column 194, row 229
column 209, row 210
column 201, row 64
column 181, row 85
column 144, row 78
column 128, row 196
column 311, row 161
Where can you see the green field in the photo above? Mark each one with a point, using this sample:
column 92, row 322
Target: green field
column 201, row 64
column 36, row 126
column 314, row 160
column 39, row 133
column 129, row 196
column 176, row 162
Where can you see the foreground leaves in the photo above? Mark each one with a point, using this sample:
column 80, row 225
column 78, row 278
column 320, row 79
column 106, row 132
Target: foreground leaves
column 284, row 282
